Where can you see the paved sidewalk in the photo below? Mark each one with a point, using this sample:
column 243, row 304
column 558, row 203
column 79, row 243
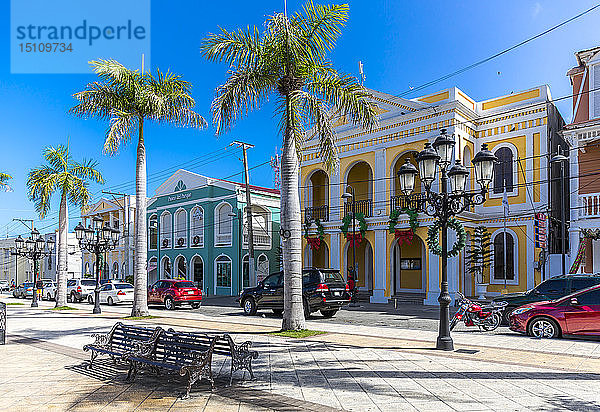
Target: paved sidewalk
column 43, row 369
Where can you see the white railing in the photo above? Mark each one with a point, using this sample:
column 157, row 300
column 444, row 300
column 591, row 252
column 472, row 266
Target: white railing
column 589, row 134
column 223, row 239
column 259, row 240
column 590, row 205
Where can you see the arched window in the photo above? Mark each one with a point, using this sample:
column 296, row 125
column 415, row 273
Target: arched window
column 87, row 268
column 166, row 230
column 124, row 270
column 180, row 228
column 115, row 270
column 153, row 232
column 197, row 227
column 260, row 227
column 262, row 267
column 198, row 271
column 246, row 271
column 166, row 268
column 499, row 256
column 503, row 170
column 181, row 266
column 223, row 269
column 224, row 223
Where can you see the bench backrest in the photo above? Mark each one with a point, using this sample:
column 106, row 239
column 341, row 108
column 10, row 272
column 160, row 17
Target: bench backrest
column 123, row 336
column 177, row 347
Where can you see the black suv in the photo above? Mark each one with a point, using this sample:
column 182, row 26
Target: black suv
column 322, row 290
column 550, row 289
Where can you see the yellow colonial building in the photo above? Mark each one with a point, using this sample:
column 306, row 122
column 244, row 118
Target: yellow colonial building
column 519, row 128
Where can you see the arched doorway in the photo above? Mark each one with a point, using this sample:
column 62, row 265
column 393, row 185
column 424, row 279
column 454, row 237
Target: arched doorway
column 408, row 266
column 152, row 271
column 317, row 258
column 364, row 264
column 180, row 267
column 317, row 200
column 198, row 271
column 360, row 178
column 165, row 268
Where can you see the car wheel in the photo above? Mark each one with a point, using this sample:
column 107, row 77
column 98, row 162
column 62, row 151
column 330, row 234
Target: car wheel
column 110, row 301
column 306, row 309
column 278, row 312
column 169, row 303
column 543, row 328
column 328, row 313
column 195, row 305
column 493, row 323
column 249, row 306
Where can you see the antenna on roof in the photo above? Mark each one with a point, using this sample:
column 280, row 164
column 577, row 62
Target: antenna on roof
column 361, row 70
column 276, row 166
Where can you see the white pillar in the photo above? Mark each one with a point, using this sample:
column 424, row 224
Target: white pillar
column 574, row 203
column 379, row 267
column 335, row 193
column 334, row 251
column 379, row 195
column 433, row 290
column 453, row 267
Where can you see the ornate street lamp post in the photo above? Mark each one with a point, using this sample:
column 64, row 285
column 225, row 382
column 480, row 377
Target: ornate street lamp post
column 97, row 239
column 34, row 248
column 444, row 205
column 351, row 198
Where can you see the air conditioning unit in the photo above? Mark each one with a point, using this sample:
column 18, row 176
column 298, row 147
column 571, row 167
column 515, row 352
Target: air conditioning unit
column 180, row 242
column 196, row 240
column 165, row 243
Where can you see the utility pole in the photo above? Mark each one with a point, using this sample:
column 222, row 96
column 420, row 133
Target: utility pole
column 252, row 268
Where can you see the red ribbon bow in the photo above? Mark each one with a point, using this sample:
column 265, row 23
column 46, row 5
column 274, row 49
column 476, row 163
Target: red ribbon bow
column 356, row 239
column 314, row 242
column 404, row 236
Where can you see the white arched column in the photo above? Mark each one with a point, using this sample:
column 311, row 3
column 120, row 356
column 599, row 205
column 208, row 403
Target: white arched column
column 379, row 267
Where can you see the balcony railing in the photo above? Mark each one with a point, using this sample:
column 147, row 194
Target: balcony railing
column 406, row 202
column 590, row 205
column 259, row 239
column 360, row 206
column 317, row 212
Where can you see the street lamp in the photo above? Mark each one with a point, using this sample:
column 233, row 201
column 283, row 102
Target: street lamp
column 351, row 197
column 444, row 205
column 561, row 160
column 97, row 240
column 34, row 248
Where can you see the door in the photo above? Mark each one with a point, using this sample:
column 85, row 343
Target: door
column 583, row 316
column 155, row 290
column 267, row 296
column 105, row 292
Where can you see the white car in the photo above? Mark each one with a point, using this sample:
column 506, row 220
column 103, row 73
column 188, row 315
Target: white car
column 113, row 293
column 49, row 290
column 4, row 285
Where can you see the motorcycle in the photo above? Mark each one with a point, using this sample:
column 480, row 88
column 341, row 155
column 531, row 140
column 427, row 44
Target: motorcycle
column 471, row 313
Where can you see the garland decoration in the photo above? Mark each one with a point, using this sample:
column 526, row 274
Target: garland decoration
column 314, row 242
column 593, row 234
column 403, row 235
column 362, row 224
column 432, row 237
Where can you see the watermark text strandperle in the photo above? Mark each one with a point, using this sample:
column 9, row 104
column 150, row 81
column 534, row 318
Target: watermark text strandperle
column 82, row 32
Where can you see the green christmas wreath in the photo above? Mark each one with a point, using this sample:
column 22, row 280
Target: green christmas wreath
column 362, row 224
column 395, row 215
column 320, row 229
column 432, row 237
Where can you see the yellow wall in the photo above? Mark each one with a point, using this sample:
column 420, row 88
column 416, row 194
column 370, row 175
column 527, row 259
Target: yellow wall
column 360, row 178
column 520, row 253
column 320, row 189
column 520, row 143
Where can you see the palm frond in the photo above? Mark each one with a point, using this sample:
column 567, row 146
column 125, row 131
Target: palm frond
column 57, row 158
column 101, row 101
column 78, row 192
column 41, row 183
column 112, row 72
column 87, row 170
column 237, row 48
column 244, row 90
column 321, row 25
column 119, row 131
column 4, row 178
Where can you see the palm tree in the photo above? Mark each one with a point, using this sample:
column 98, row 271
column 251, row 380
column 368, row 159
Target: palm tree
column 126, row 98
column 288, row 61
column 4, row 178
column 70, row 178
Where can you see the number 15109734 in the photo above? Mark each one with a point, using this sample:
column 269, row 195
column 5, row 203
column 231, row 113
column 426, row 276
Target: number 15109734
column 45, row 47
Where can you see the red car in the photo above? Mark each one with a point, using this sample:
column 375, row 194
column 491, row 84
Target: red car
column 575, row 314
column 173, row 293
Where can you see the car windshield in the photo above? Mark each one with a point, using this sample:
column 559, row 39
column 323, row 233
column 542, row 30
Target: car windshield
column 332, row 277
column 185, row 285
column 88, row 283
column 123, row 286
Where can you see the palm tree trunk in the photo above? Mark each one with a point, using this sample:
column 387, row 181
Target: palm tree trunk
column 140, row 296
column 293, row 313
column 62, row 248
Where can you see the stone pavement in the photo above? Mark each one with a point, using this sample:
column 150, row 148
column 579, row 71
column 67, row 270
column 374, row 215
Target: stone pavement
column 43, row 368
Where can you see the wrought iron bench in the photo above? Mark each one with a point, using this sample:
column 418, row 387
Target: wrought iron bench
column 120, row 341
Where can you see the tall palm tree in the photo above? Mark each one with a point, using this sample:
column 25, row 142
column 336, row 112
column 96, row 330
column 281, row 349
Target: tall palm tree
column 288, row 61
column 70, row 178
column 4, row 178
column 126, row 98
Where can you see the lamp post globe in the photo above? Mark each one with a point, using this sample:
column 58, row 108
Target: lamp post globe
column 40, row 243
column 406, row 175
column 19, row 243
column 89, row 234
column 97, row 221
column 444, row 146
column 50, row 244
column 115, row 234
column 106, row 232
column 483, row 163
column 428, row 160
column 458, row 178
column 79, row 232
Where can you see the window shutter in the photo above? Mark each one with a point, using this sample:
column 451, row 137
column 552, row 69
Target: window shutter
column 596, row 94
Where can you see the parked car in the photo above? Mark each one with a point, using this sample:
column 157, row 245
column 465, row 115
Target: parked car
column 173, row 293
column 323, row 290
column 550, row 289
column 24, row 290
column 80, row 289
column 575, row 314
column 49, row 290
column 4, row 285
column 112, row 293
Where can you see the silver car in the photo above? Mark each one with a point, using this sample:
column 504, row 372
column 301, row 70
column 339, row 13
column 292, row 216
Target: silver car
column 79, row 290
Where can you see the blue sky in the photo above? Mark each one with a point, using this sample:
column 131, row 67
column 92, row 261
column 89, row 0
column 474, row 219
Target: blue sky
column 401, row 44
